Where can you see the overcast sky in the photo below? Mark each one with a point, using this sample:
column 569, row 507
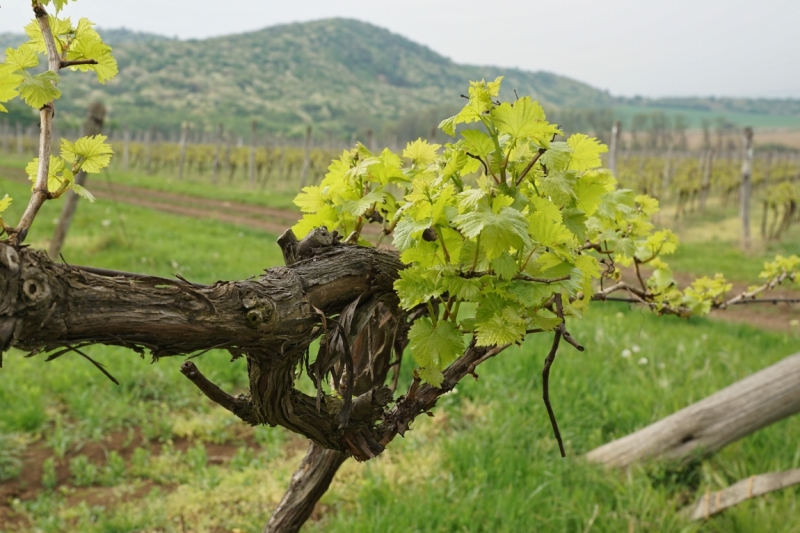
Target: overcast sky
column 629, row 47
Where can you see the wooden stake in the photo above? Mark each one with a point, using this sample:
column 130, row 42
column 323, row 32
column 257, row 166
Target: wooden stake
column 744, row 195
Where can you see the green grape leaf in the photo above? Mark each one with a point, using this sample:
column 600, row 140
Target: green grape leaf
column 575, row 221
column 547, row 323
column 326, row 216
column 649, row 205
column 524, row 119
column 21, row 58
column 89, row 45
column 478, row 143
column 4, row 204
column 421, row 152
column 421, row 254
column 311, row 199
column 499, row 231
column 448, row 126
column 90, row 154
column 529, row 293
column 505, row 266
column 435, row 347
column 360, row 206
column 585, row 152
column 549, row 233
column 557, row 156
column 559, row 186
column 9, row 84
column 82, row 192
column 407, row 231
column 503, row 328
column 546, row 207
column 469, row 198
column 417, row 285
column 589, row 193
column 461, row 288
column 39, row 90
column 56, row 176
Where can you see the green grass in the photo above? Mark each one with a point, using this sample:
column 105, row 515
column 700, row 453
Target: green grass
column 501, row 471
column 487, row 461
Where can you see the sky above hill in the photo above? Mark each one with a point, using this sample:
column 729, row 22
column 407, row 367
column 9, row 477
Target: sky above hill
column 630, row 47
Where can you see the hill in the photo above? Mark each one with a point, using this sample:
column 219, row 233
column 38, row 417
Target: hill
column 341, row 75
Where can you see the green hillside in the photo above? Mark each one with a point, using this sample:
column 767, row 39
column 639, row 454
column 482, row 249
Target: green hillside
column 339, row 74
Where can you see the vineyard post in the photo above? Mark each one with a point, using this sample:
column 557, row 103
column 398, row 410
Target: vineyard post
column 705, row 184
column 217, row 149
column 182, row 149
column 665, row 178
column 6, row 134
column 126, row 148
column 306, row 158
column 764, row 185
column 20, row 140
column 251, row 162
column 369, row 140
column 796, row 177
column 744, row 194
column 613, row 147
column 148, row 142
column 92, row 126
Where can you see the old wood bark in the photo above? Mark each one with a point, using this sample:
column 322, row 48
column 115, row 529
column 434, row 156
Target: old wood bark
column 92, row 126
column 714, row 422
column 270, row 320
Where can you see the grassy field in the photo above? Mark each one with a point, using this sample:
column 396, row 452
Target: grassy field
column 78, row 453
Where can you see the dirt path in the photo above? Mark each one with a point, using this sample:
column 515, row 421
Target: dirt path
column 268, row 219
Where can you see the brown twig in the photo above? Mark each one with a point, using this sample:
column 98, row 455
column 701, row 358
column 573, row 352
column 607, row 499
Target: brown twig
column 548, row 362
column 530, row 166
column 239, row 406
column 65, row 64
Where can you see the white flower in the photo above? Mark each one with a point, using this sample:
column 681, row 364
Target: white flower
column 704, row 337
column 635, row 348
column 106, row 223
column 620, row 314
column 626, row 353
column 662, row 366
column 175, row 264
column 643, row 361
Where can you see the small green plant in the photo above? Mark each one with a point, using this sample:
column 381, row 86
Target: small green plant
column 84, row 472
column 11, row 447
column 49, row 475
column 114, row 469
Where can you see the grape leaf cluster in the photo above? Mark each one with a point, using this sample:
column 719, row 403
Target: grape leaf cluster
column 74, row 43
column 494, row 225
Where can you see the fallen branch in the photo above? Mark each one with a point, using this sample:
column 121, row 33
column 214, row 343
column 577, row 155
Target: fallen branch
column 714, row 422
column 713, row 503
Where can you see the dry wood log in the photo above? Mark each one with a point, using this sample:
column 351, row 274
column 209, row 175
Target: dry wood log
column 714, row 422
column 713, row 503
